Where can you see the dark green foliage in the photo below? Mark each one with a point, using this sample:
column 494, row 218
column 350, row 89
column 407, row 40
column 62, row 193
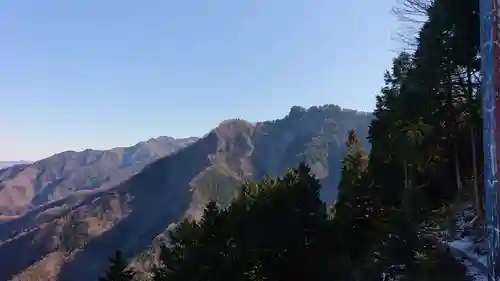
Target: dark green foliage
column 353, row 225
column 272, row 231
column 118, row 269
column 420, row 160
column 421, row 163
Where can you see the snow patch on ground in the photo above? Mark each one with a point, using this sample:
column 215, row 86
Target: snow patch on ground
column 467, row 251
column 466, row 242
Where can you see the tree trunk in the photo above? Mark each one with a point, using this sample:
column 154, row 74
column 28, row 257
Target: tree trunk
column 478, row 197
column 406, row 174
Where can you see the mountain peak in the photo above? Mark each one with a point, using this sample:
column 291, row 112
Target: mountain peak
column 233, row 127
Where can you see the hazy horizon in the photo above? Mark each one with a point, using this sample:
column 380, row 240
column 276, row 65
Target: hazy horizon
column 141, row 140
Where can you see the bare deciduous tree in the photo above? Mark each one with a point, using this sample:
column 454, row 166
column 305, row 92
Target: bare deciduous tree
column 412, row 13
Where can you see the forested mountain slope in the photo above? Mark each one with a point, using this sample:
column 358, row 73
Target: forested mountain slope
column 72, row 238
column 27, row 186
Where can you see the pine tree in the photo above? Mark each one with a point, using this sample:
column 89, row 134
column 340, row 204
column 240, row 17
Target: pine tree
column 275, row 230
column 353, row 225
column 118, row 269
column 420, row 138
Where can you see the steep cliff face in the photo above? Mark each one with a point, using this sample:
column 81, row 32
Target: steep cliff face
column 27, row 186
column 73, row 237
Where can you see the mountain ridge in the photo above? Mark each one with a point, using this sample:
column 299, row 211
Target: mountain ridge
column 86, row 229
column 7, row 164
column 26, row 186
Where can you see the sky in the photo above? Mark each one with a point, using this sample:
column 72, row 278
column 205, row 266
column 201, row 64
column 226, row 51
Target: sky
column 100, row 74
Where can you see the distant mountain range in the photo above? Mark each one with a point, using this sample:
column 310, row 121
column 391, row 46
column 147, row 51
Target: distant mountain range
column 29, row 185
column 71, row 238
column 7, row 164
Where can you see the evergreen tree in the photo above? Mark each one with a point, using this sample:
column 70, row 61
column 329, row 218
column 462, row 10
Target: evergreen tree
column 274, row 230
column 420, row 138
column 118, row 269
column 355, row 215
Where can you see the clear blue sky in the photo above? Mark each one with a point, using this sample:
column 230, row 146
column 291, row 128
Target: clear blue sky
column 105, row 73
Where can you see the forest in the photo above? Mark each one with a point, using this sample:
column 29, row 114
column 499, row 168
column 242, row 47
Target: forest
column 396, row 203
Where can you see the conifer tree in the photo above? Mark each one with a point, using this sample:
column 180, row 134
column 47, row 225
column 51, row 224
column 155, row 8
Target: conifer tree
column 275, row 230
column 118, row 269
column 353, row 223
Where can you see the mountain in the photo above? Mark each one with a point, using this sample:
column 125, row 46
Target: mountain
column 7, row 164
column 72, row 238
column 27, row 186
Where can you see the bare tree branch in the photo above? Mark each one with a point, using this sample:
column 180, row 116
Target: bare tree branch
column 408, row 36
column 412, row 13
